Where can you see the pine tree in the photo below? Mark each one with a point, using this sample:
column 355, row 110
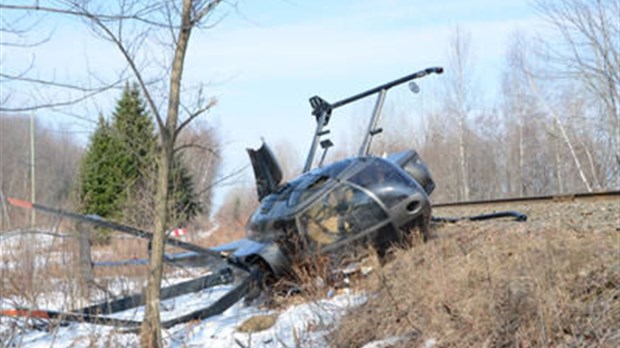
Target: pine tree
column 185, row 204
column 100, row 179
column 118, row 171
column 133, row 126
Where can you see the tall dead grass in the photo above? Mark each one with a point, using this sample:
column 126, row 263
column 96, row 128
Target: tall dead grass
column 33, row 269
column 495, row 285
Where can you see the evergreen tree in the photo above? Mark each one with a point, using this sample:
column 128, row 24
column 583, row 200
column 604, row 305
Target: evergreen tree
column 119, row 168
column 185, row 204
column 136, row 130
column 133, row 126
column 100, row 180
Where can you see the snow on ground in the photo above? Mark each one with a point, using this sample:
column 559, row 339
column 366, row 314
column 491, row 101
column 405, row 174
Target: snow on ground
column 303, row 325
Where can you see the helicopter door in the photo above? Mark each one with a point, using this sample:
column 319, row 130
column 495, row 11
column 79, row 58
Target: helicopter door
column 267, row 171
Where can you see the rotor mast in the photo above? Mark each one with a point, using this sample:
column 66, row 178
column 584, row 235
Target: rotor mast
column 322, row 111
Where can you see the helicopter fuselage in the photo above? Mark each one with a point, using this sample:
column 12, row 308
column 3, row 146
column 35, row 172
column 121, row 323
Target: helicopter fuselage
column 352, row 201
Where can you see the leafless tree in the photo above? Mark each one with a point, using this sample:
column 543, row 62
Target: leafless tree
column 562, row 130
column 531, row 149
column 437, row 149
column 460, row 99
column 202, row 156
column 541, row 119
column 586, row 50
column 129, row 26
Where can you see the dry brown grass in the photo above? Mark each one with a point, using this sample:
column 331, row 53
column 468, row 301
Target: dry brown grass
column 228, row 231
column 496, row 284
column 27, row 263
column 54, row 262
column 258, row 323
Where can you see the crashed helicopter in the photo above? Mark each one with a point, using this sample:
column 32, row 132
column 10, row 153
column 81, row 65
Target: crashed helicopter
column 363, row 200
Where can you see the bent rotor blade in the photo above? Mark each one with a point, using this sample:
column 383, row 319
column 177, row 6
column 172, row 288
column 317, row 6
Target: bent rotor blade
column 69, row 317
column 89, row 314
column 225, row 302
column 185, row 259
column 225, row 276
column 221, row 305
column 100, row 222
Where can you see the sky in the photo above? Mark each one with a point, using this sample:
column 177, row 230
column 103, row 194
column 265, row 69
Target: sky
column 264, row 59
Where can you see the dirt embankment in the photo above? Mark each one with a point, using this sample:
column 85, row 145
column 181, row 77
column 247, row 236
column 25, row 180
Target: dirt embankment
column 551, row 281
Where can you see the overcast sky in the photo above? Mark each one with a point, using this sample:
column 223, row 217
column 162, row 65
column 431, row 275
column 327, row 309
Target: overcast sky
column 264, row 60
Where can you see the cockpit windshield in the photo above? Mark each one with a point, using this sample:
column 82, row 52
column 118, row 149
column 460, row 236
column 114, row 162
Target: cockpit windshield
column 343, row 212
column 384, row 180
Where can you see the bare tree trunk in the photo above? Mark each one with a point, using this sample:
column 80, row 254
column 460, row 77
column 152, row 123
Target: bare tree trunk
column 558, row 162
column 462, row 160
column 521, row 159
column 151, row 326
column 459, row 64
column 595, row 180
column 582, row 175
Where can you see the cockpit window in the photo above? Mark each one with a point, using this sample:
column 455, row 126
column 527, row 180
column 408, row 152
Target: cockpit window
column 386, row 182
column 343, row 212
column 334, row 169
column 378, row 173
column 313, row 181
column 309, row 186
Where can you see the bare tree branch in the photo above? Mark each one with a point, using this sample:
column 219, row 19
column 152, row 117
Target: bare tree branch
column 79, row 12
column 55, row 104
column 75, row 87
column 193, row 115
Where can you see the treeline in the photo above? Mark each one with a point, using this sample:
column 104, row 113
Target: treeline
column 538, row 138
column 114, row 176
column 549, row 131
column 55, row 162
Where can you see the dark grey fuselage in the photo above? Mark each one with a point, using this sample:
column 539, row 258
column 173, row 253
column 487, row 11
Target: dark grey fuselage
column 355, row 200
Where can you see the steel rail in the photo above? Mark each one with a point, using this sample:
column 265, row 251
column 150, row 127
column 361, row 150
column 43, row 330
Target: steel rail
column 546, row 198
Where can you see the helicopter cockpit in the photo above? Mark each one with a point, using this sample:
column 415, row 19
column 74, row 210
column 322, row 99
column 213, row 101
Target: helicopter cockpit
column 372, row 193
column 341, row 202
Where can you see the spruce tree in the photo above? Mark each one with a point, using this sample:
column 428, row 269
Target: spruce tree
column 185, row 204
column 133, row 126
column 118, row 171
column 100, row 180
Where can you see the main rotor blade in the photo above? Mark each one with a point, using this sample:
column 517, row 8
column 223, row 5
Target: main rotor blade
column 45, row 314
column 225, row 276
column 85, row 315
column 100, row 222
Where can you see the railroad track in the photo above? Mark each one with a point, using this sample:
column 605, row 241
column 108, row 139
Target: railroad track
column 590, row 196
